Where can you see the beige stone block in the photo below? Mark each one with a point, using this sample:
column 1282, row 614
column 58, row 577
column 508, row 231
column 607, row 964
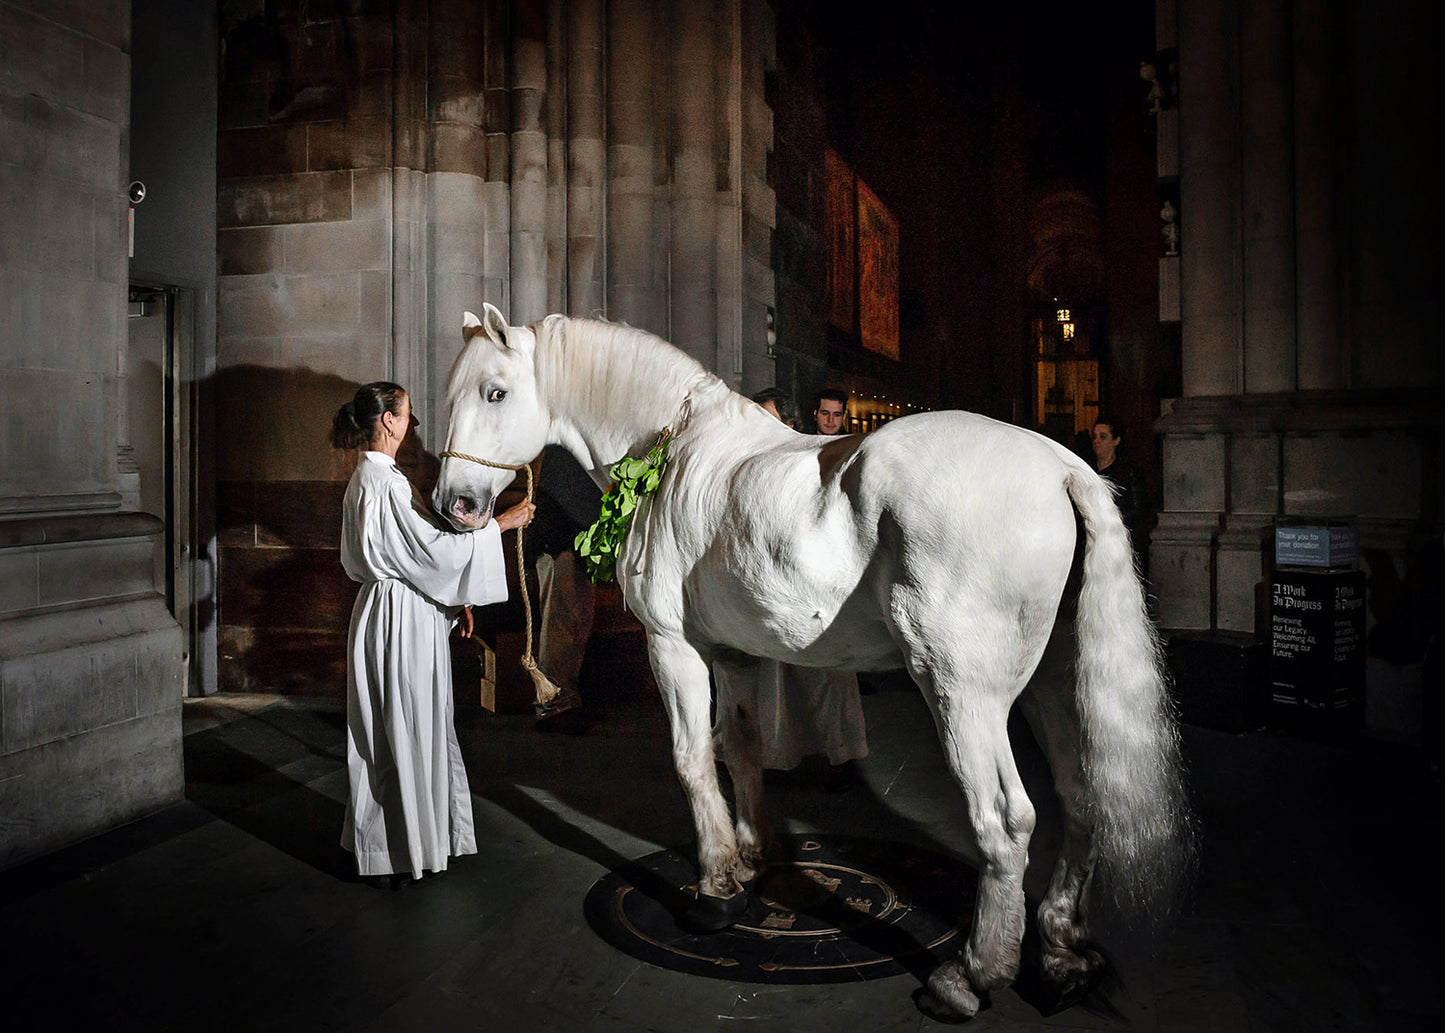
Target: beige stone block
column 496, row 210
column 80, row 149
column 349, row 359
column 355, row 143
column 759, row 281
column 95, row 570
column 250, row 251
column 759, row 201
column 499, row 158
column 71, row 788
column 374, row 301
column 454, row 293
column 335, row 247
column 43, row 55
column 1254, row 474
column 19, row 580
column 1179, row 576
column 323, row 303
column 67, row 692
column 459, row 99
column 371, row 194
column 106, row 92
column 1239, row 571
column 108, row 22
column 496, row 253
column 454, row 197
column 61, row 446
column 252, row 306
column 460, row 148
column 1367, row 475
column 267, row 150
column 1193, row 473
column 48, row 224
column 1169, row 289
column 457, row 247
column 274, row 200
column 112, row 262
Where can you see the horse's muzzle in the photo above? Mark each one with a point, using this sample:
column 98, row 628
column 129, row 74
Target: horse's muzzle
column 465, row 512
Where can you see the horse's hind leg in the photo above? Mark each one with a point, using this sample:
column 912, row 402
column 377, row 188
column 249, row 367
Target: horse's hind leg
column 682, row 677
column 1068, row 965
column 738, row 736
column 973, row 724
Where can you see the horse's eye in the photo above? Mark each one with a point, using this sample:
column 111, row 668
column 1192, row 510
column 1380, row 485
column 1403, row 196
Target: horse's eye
column 496, row 394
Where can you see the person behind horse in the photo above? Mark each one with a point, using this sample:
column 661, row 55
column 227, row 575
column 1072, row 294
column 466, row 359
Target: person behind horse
column 804, row 711
column 409, row 808
column 831, row 411
column 1108, row 435
column 568, row 501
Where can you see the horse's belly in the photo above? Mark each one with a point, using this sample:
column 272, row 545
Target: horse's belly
column 851, row 638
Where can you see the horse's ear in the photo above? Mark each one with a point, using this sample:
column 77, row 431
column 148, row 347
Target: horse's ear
column 471, row 326
column 495, row 323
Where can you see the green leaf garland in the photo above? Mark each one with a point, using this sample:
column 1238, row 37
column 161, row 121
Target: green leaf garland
column 631, row 480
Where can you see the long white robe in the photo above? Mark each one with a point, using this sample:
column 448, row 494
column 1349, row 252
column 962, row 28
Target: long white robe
column 410, row 806
column 801, row 711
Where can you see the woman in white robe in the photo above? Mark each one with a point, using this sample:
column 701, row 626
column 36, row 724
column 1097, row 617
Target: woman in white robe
column 410, row 807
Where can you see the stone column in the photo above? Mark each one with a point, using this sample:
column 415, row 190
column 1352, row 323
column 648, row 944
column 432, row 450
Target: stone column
column 586, row 159
column 1318, row 284
column 755, row 52
column 632, row 81
column 1209, row 190
column 694, row 185
column 529, row 163
column 1267, row 189
column 405, row 195
column 554, row 117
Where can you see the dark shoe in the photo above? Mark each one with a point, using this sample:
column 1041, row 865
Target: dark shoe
column 567, row 722
column 386, row 882
column 841, row 777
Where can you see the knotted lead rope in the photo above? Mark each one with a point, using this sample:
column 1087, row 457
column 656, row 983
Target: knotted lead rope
column 546, row 691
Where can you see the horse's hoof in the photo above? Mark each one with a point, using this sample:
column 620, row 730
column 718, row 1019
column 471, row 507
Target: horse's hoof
column 709, row 914
column 1068, row 979
column 948, row 997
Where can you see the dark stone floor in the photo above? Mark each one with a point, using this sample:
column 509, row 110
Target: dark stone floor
column 235, row 910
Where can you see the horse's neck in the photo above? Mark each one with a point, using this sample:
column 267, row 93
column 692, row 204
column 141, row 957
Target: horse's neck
column 612, row 394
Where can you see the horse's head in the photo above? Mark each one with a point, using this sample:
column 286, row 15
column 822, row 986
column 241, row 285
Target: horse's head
column 495, row 415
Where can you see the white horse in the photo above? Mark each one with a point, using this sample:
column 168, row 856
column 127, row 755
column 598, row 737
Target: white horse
column 941, row 544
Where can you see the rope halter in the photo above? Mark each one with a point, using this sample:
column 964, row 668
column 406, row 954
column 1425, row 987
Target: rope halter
column 546, row 691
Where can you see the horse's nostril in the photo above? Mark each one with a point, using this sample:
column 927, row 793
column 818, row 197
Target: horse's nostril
column 465, row 505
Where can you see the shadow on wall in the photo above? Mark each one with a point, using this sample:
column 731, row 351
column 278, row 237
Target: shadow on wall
column 285, row 602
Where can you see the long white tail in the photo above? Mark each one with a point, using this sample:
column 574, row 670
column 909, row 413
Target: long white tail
column 1143, row 831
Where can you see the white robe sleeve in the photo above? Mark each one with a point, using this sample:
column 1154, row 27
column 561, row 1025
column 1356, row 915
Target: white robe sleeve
column 450, row 569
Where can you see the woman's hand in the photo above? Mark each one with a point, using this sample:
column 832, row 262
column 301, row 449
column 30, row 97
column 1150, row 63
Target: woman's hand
column 519, row 515
column 465, row 624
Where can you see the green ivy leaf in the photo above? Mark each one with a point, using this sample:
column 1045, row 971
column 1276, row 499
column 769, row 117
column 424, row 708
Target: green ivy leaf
column 632, row 479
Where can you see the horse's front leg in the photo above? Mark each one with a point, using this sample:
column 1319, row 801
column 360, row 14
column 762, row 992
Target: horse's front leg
column 682, row 677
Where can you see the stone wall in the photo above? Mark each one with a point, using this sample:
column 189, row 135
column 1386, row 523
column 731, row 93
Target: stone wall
column 1305, row 294
column 91, row 671
column 382, row 172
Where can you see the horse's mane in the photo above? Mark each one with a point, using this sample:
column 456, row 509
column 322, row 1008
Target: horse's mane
column 587, row 367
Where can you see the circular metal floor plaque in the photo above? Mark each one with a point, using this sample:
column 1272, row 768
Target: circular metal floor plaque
column 829, row 909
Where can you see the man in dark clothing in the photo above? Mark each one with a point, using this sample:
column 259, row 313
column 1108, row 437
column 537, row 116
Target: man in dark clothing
column 568, row 501
column 832, row 412
column 1108, row 435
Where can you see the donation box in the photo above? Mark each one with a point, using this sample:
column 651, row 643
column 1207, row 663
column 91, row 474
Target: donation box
column 1317, row 649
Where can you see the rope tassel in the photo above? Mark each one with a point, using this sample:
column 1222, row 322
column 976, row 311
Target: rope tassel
column 546, row 691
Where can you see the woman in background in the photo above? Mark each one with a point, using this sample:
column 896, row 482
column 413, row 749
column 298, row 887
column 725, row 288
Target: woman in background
column 410, row 807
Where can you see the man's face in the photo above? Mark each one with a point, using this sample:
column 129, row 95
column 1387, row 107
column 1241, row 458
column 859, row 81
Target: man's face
column 1105, row 443
column 829, row 416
